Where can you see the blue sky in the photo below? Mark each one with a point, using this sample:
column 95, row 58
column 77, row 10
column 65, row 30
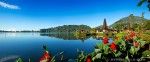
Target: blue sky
column 37, row 14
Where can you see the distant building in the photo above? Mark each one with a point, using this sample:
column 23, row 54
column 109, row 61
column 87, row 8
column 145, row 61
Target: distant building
column 82, row 30
column 127, row 27
column 98, row 30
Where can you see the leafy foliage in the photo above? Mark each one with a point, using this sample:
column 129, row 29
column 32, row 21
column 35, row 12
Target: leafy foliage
column 146, row 25
column 142, row 1
column 119, row 26
column 146, row 38
column 124, row 49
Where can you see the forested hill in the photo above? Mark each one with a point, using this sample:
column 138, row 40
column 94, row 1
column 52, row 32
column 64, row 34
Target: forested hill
column 125, row 20
column 66, row 28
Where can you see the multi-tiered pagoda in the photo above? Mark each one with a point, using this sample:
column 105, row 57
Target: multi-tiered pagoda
column 105, row 28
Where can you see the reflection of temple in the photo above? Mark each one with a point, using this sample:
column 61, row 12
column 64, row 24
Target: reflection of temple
column 105, row 28
column 82, row 39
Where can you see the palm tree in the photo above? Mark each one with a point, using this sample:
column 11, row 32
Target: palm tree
column 143, row 1
column 142, row 19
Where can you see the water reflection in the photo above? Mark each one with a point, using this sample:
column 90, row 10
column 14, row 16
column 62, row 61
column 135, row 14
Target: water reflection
column 65, row 36
column 71, row 36
column 28, row 45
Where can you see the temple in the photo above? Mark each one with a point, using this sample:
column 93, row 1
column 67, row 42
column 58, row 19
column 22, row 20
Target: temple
column 128, row 26
column 105, row 28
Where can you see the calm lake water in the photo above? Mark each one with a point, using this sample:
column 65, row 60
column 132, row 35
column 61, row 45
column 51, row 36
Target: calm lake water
column 29, row 45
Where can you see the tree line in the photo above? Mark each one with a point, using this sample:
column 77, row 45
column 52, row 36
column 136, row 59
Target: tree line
column 67, row 28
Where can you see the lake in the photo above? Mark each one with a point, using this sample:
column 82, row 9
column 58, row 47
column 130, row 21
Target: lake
column 29, row 45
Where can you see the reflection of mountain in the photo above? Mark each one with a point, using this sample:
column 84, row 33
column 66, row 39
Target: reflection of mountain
column 65, row 36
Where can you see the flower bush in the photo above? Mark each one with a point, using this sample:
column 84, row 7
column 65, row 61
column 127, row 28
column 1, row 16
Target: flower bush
column 146, row 38
column 124, row 48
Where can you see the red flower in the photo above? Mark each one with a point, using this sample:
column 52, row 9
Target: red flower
column 105, row 40
column 113, row 46
column 135, row 43
column 132, row 34
column 116, row 37
column 46, row 57
column 42, row 59
column 88, row 59
column 127, row 38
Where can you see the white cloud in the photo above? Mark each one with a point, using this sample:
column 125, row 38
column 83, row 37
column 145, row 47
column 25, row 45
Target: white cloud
column 5, row 5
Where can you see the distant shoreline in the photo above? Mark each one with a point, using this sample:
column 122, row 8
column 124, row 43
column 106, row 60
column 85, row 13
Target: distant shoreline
column 18, row 31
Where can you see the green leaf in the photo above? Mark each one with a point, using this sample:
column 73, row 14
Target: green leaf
column 136, row 50
column 97, row 50
column 142, row 43
column 121, row 43
column 61, row 53
column 53, row 59
column 143, row 0
column 132, row 50
column 19, row 60
column 127, row 59
column 106, row 49
column 139, row 4
column 135, row 38
column 29, row 60
column 100, row 46
column 145, row 53
column 98, row 56
column 118, row 54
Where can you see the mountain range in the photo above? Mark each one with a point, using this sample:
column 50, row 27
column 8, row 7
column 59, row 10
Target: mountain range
column 125, row 20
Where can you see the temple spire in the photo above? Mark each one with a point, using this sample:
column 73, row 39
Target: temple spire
column 105, row 26
column 128, row 26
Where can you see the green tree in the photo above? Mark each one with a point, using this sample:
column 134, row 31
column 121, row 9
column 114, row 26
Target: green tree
column 67, row 28
column 94, row 30
column 135, row 27
column 119, row 26
column 146, row 25
column 142, row 20
column 143, row 1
